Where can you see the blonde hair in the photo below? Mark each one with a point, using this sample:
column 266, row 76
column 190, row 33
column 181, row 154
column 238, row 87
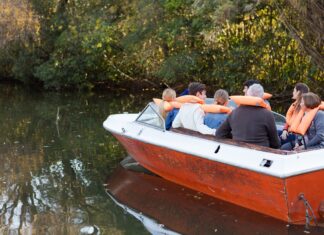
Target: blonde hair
column 168, row 95
column 221, row 97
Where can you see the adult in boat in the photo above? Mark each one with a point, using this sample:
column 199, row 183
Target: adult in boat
column 309, row 113
column 191, row 114
column 251, row 123
column 214, row 120
column 299, row 90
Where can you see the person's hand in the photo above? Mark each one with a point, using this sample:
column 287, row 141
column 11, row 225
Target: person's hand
column 284, row 135
column 299, row 147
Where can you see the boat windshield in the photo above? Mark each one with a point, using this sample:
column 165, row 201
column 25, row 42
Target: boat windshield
column 150, row 116
column 279, row 119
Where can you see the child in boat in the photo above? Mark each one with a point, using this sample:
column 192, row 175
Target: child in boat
column 294, row 109
column 167, row 96
column 214, row 120
column 191, row 115
column 314, row 137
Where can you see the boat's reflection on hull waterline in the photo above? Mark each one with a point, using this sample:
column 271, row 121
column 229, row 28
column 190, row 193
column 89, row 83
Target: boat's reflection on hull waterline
column 167, row 208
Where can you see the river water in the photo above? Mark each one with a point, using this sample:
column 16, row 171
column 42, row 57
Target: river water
column 60, row 174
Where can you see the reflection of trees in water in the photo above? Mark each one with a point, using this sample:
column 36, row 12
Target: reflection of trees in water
column 37, row 197
column 51, row 183
column 16, row 199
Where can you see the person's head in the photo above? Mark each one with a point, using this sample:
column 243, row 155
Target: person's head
column 249, row 83
column 310, row 100
column 168, row 94
column 221, row 97
column 255, row 90
column 300, row 88
column 198, row 89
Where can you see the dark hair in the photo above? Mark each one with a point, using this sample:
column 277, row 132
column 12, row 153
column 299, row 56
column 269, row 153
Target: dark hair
column 311, row 100
column 302, row 88
column 250, row 82
column 195, row 87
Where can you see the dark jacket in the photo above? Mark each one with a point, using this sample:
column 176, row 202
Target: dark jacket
column 250, row 124
column 315, row 132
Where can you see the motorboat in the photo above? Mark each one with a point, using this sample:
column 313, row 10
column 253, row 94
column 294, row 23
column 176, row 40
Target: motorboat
column 287, row 185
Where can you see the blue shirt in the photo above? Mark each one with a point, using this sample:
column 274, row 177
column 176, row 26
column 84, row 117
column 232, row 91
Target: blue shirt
column 170, row 117
column 185, row 92
column 214, row 120
column 232, row 104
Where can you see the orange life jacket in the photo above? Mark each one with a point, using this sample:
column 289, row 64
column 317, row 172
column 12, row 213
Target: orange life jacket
column 167, row 106
column 215, row 108
column 208, row 108
column 303, row 120
column 291, row 114
column 190, row 99
column 267, row 96
column 250, row 100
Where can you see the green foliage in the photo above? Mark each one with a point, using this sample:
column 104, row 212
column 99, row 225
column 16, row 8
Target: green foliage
column 178, row 67
column 83, row 44
column 258, row 48
column 80, row 57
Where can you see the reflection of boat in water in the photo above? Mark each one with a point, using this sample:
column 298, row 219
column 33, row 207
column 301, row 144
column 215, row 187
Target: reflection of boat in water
column 281, row 184
column 164, row 207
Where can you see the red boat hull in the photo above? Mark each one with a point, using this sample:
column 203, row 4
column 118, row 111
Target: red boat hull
column 276, row 197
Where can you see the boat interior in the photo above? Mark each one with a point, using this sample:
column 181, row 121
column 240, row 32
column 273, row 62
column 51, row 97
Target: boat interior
column 151, row 117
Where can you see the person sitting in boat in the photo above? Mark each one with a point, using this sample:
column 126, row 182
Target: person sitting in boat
column 251, row 82
column 250, row 122
column 214, row 120
column 168, row 95
column 299, row 90
column 191, row 114
column 248, row 83
column 309, row 122
column 173, row 113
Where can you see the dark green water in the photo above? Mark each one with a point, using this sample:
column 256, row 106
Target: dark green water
column 55, row 157
column 57, row 160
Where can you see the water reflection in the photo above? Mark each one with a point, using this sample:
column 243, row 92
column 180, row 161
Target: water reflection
column 54, row 157
column 158, row 203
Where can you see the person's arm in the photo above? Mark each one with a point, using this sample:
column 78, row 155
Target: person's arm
column 225, row 130
column 272, row 132
column 199, row 122
column 319, row 127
